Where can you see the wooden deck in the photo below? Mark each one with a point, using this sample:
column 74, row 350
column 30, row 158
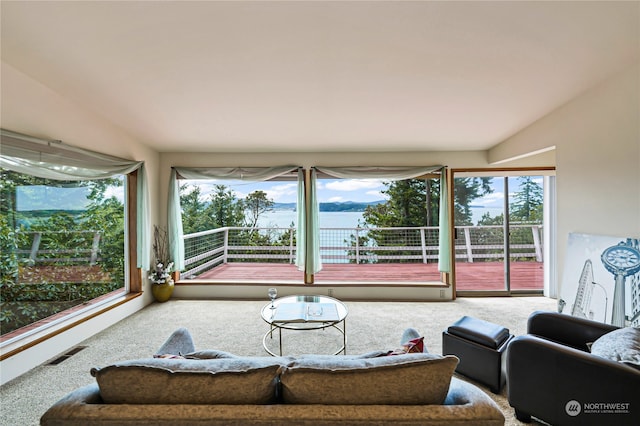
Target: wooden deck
column 470, row 276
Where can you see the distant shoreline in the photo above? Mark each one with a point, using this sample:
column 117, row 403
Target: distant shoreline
column 345, row 206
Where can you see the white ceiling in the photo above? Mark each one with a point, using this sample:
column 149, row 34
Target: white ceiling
column 320, row 76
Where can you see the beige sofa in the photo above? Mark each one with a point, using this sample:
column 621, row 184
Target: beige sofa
column 217, row 388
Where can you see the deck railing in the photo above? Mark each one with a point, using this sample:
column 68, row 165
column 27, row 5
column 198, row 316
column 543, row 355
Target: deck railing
column 208, row 249
column 55, row 247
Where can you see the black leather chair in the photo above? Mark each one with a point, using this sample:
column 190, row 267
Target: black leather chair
column 552, row 376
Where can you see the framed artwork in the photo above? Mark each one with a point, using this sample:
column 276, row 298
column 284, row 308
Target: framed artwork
column 601, row 279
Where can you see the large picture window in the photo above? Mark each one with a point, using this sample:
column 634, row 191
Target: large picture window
column 62, row 245
column 217, row 225
column 73, row 231
column 379, row 230
column 232, row 227
column 373, row 224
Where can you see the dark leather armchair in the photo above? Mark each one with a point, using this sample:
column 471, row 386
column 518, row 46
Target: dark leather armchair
column 551, row 375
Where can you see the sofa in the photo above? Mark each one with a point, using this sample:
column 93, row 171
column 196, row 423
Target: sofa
column 182, row 386
column 573, row 371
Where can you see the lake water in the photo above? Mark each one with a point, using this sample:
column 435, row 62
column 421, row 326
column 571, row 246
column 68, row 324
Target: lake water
column 283, row 218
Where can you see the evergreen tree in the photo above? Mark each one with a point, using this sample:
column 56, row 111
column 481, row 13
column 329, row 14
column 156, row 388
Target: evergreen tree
column 527, row 202
column 406, row 205
column 194, row 218
column 224, row 209
column 415, row 202
column 465, row 191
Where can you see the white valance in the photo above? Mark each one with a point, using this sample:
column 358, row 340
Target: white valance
column 53, row 159
column 255, row 174
column 366, row 172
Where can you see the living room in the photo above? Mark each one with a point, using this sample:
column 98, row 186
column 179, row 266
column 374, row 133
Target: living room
column 526, row 85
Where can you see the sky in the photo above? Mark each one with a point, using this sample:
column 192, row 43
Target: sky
column 41, row 197
column 329, row 190
column 341, row 190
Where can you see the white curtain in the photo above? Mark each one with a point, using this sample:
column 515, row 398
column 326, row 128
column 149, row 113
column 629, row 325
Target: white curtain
column 174, row 222
column 56, row 160
column 311, row 261
column 401, row 173
column 174, row 214
column 301, row 207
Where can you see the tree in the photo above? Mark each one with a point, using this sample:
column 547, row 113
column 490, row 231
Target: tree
column 406, row 205
column 224, row 209
column 527, row 202
column 415, row 202
column 256, row 204
column 526, row 206
column 63, row 232
column 107, row 216
column 465, row 191
column 194, row 218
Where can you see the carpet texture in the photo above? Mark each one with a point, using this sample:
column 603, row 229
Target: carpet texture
column 236, row 327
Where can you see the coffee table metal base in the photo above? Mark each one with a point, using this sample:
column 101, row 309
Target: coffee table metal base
column 280, row 327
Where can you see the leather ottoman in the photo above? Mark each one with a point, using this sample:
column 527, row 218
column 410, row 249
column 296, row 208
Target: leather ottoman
column 479, row 345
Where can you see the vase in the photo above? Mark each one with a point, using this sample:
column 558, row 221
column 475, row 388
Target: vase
column 162, row 292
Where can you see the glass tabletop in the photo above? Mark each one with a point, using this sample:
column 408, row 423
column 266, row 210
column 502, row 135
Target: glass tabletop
column 310, row 309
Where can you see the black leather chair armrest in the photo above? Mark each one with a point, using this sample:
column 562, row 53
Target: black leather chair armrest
column 569, row 330
column 544, row 376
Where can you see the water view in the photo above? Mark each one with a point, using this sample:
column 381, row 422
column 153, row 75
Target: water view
column 284, row 218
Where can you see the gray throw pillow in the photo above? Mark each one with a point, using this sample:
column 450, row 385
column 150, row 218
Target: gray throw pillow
column 209, row 354
column 190, row 381
column 621, row 345
column 410, row 379
column 179, row 342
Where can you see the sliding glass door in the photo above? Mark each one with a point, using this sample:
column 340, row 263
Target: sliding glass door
column 499, row 232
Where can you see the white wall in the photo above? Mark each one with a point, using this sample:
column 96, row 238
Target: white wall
column 597, row 140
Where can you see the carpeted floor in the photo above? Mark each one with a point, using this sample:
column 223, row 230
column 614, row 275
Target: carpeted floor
column 236, row 326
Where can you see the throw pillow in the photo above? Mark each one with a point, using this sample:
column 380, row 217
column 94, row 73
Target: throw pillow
column 190, row 381
column 412, row 379
column 179, row 342
column 621, row 345
column 209, row 354
column 412, row 346
column 169, row 356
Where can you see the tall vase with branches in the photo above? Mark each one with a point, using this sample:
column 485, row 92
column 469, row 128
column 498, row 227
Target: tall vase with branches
column 160, row 273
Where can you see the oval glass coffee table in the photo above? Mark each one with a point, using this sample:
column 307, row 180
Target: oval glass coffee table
column 304, row 313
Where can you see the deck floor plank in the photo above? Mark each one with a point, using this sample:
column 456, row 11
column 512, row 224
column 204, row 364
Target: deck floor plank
column 470, row 276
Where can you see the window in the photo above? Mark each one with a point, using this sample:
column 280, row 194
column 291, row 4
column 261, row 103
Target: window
column 72, row 229
column 231, row 225
column 501, row 230
column 379, row 230
column 62, row 245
